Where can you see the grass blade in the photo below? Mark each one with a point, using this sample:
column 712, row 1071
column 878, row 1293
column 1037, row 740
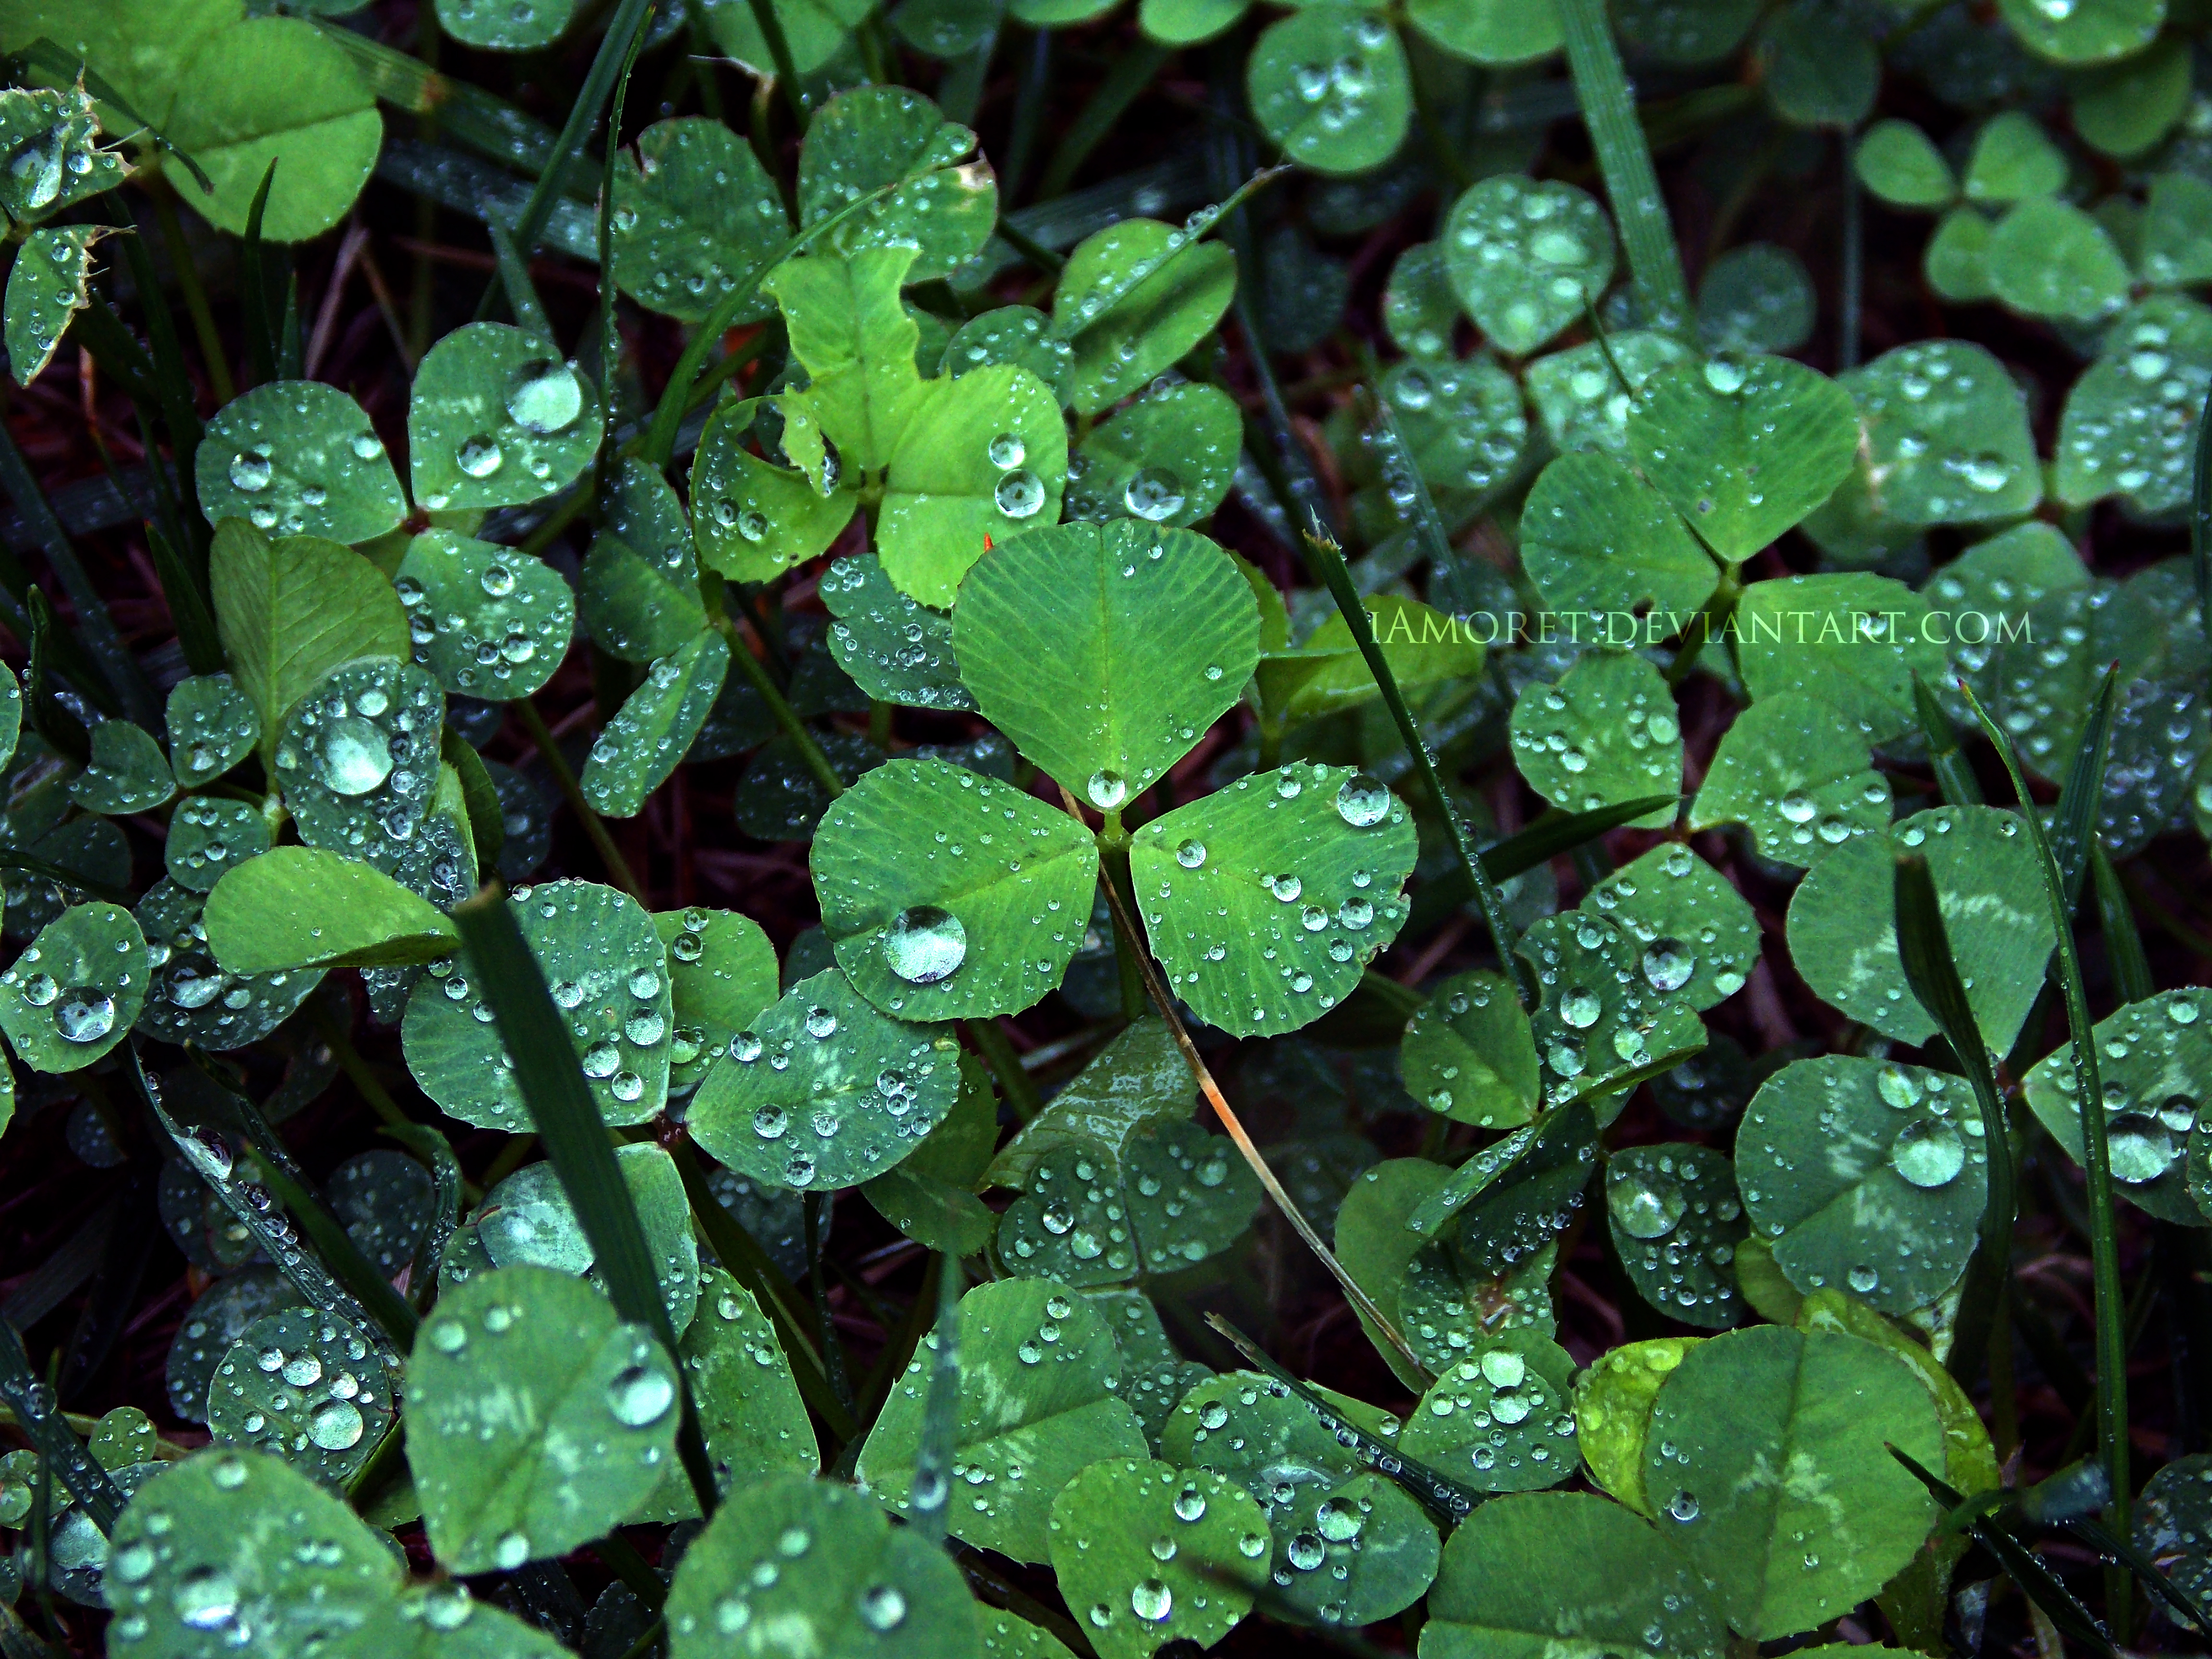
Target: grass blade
column 1624, row 157
column 1327, row 560
column 254, row 286
column 1954, row 778
column 1123, row 85
column 2026, row 1569
column 32, row 1403
column 2073, row 826
column 1436, row 1492
column 522, row 301
column 626, row 26
column 2200, row 518
column 2085, row 785
column 932, row 1459
column 575, row 1139
column 1933, row 974
column 2123, row 948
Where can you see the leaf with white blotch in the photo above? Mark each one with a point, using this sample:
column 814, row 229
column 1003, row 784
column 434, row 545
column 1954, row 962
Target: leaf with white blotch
column 1990, row 890
column 791, row 1563
column 1798, row 775
column 488, row 620
column 1349, row 1546
column 231, row 1553
column 496, row 419
column 824, row 1091
column 1613, row 1412
column 1469, row 1054
column 1742, row 448
column 77, row 989
column 1745, row 1407
column 1604, row 1022
column 1462, row 424
column 128, row 771
column 537, row 1419
column 1328, row 672
column 296, row 458
column 607, row 975
column 212, row 727
column 895, row 650
column 652, row 731
column 1969, row 1460
column 1105, row 651
column 1330, row 84
column 1946, row 437
column 1852, row 640
column 872, row 137
column 1699, row 935
column 295, row 907
column 1676, row 1221
column 52, row 136
column 47, row 286
column 1034, row 1408
column 1265, row 900
column 1133, row 300
column 721, row 975
column 1596, row 538
column 693, row 217
column 2130, row 423
column 306, row 1387
column 1501, row 1419
column 357, row 760
column 751, row 1411
column 290, row 610
column 1865, row 1175
column 192, row 999
column 1527, row 257
column 638, row 593
column 1167, row 458
column 1605, row 733
column 969, row 927
column 2153, row 1058
column 1583, row 394
column 1609, row 1584
column 754, row 518
column 1147, row 1553
column 527, row 1221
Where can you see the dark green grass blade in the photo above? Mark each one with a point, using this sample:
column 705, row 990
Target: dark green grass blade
column 1933, row 974
column 253, row 285
column 32, row 1404
column 1434, row 1491
column 574, row 1138
column 2123, row 948
column 2037, row 1582
column 626, row 26
column 1954, row 778
column 932, row 1459
column 2073, row 826
column 1327, row 560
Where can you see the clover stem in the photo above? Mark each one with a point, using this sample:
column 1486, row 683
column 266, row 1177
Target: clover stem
column 564, row 779
column 1712, row 616
column 1326, row 559
column 1005, row 1066
column 833, row 1349
column 1125, row 922
column 1128, row 949
column 756, row 671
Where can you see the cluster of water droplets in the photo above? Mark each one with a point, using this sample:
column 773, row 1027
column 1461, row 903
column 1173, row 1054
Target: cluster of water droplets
column 358, row 759
column 1929, row 409
column 306, row 1387
column 544, row 401
column 480, row 624
column 1464, row 425
column 2131, row 420
column 1677, row 1221
column 287, row 460
column 1527, row 255
column 2145, row 1063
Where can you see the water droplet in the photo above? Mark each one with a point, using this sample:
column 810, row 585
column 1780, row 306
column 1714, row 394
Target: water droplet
column 640, row 1396
column 1306, row 1551
column 206, row 1598
column 1191, row 854
column 2142, row 1147
column 1928, row 1152
column 511, row 1551
column 924, row 944
column 1007, row 452
column 1339, row 1520
column 1362, row 802
column 1580, row 1008
column 1190, row 1502
column 1020, row 495
column 250, row 470
column 335, row 1424
column 1107, row 790
column 478, row 456
column 355, row 756
column 1668, row 964
column 882, row 1608
column 84, row 1014
column 546, row 398
column 1645, row 1206
column 1154, row 494
column 1151, row 1600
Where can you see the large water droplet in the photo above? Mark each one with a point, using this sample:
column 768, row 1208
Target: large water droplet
column 1581, row 1007
column 1361, row 801
column 478, row 456
column 1928, row 1152
column 250, row 470
column 640, row 1396
column 335, row 1424
column 355, row 757
column 2142, row 1148
column 1019, row 495
column 924, row 944
column 1668, row 964
column 206, row 1598
column 546, row 398
column 1645, row 1206
column 84, row 1014
column 882, row 1607
column 1107, row 790
column 1154, row 494
column 1151, row 1600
